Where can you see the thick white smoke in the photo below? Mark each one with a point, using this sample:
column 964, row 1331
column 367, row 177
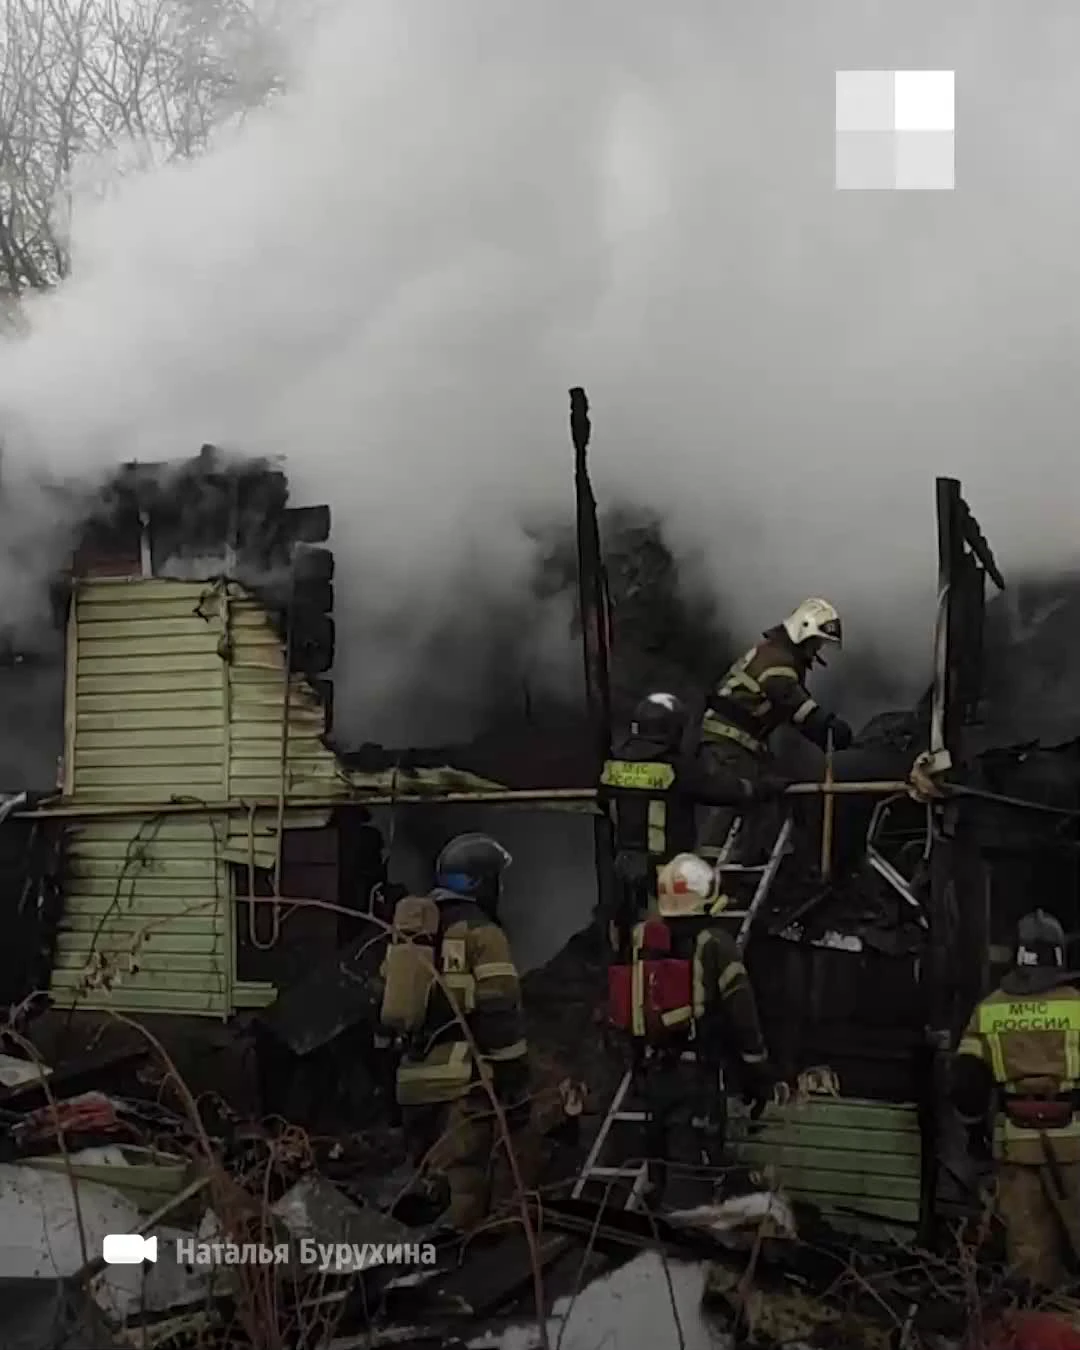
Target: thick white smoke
column 392, row 275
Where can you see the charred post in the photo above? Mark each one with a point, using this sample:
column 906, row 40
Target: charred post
column 958, row 930
column 596, row 636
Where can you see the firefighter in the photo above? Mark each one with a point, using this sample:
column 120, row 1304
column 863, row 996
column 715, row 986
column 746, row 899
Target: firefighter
column 764, row 689
column 654, row 786
column 1017, row 1068
column 447, row 1115
column 693, row 1015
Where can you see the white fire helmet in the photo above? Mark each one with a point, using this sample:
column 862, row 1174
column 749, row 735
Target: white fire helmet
column 814, row 619
column 686, row 885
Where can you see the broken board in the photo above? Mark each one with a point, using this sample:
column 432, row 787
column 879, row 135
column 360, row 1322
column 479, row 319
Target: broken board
column 858, row 1161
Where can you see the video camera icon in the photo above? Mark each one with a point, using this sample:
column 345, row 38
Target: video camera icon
column 128, row 1249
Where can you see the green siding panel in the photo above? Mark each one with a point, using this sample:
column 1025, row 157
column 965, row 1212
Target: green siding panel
column 152, row 693
column 256, row 717
column 141, row 730
column 842, row 1154
column 199, row 942
column 805, row 1157
column 845, row 1113
column 152, row 1000
column 137, row 663
column 156, row 711
column 190, row 931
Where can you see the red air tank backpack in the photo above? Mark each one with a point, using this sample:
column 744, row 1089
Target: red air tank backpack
column 651, row 996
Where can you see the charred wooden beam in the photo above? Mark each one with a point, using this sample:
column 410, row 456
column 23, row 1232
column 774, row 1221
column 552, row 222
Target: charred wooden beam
column 592, row 583
column 954, row 955
column 976, row 540
column 595, row 604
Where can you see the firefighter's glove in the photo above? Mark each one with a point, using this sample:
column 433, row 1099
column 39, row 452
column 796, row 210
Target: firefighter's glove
column 842, row 734
column 769, row 787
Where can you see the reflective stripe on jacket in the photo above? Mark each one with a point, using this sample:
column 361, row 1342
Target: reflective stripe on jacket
column 654, row 794
column 639, row 791
column 480, row 985
column 1030, row 1044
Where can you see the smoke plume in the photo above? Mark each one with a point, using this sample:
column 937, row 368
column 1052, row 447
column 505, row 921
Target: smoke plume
column 392, row 274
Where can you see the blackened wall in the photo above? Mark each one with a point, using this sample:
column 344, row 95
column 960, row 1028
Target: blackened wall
column 31, row 721
column 30, row 903
column 859, row 1013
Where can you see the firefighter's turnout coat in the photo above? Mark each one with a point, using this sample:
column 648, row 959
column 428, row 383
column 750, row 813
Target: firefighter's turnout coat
column 685, row 985
column 1018, row 1064
column 764, row 689
column 653, row 794
column 479, row 982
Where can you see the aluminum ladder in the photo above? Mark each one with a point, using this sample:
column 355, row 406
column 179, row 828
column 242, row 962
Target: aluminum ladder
column 765, row 872
column 638, row 1174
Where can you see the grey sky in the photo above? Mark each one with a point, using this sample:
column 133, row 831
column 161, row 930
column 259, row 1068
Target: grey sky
column 394, row 275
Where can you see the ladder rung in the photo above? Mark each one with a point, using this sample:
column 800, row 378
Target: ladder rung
column 633, row 1117
column 626, row 1172
column 740, row 867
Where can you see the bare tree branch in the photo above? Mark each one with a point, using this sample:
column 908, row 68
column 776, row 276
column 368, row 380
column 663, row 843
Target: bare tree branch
column 96, row 82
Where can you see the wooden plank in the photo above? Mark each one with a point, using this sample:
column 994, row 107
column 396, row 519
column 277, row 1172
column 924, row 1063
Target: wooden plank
column 151, row 851
column 136, row 782
column 251, row 994
column 150, row 959
column 201, row 725
column 76, row 1075
column 849, row 1112
column 146, row 626
column 795, row 1134
column 204, row 939
column 122, row 763
column 837, row 1159
column 148, row 884
column 102, row 666
column 122, row 924
column 205, row 981
column 851, row 1184
column 127, row 795
column 896, row 1211
column 122, row 591
column 148, row 691
column 147, row 833
column 152, row 609
column 125, row 999
column 137, row 644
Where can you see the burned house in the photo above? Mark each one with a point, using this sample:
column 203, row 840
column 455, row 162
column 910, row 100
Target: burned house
column 197, row 723
column 198, row 633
